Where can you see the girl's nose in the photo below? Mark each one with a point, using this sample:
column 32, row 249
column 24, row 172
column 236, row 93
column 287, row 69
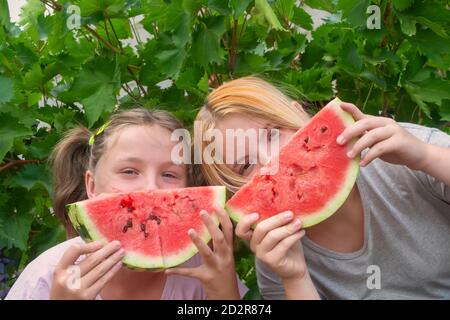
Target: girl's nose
column 151, row 184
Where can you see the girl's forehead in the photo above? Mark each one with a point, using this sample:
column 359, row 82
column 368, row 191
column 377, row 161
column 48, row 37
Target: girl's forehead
column 151, row 144
column 148, row 136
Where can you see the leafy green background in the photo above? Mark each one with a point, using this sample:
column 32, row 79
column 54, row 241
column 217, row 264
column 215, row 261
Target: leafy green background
column 52, row 78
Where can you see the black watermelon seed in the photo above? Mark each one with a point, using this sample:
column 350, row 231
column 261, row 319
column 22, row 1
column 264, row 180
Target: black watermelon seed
column 128, row 225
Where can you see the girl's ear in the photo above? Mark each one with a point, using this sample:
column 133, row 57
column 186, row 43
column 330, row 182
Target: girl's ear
column 89, row 184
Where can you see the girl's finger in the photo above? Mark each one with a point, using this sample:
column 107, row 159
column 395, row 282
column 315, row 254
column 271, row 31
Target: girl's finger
column 75, row 251
column 244, row 226
column 269, row 224
column 277, row 235
column 286, row 244
column 371, row 138
column 187, row 272
column 225, row 222
column 376, row 151
column 97, row 287
column 98, row 256
column 353, row 110
column 204, row 250
column 101, row 269
column 361, row 126
column 216, row 234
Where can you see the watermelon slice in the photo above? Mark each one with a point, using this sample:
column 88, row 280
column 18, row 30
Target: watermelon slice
column 151, row 226
column 314, row 175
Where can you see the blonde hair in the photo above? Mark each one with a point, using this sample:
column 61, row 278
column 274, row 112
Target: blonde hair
column 73, row 155
column 251, row 97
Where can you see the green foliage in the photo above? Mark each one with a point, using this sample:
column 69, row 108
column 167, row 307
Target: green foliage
column 53, row 77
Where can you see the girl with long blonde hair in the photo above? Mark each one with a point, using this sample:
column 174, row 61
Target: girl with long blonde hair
column 390, row 237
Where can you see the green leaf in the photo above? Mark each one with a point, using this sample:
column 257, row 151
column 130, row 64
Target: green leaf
column 6, row 90
column 302, row 19
column 239, row 6
column 263, row 8
column 32, row 175
column 445, row 110
column 4, row 14
column 15, row 229
column 206, row 43
column 33, row 78
column 350, row 60
column 112, row 8
column 407, row 25
column 34, row 98
column 169, row 62
column 285, row 8
column 94, row 75
column 432, row 90
column 354, row 11
column 48, row 237
column 10, row 129
column 41, row 147
column 315, row 83
column 221, row 6
column 432, row 46
column 401, row 5
column 103, row 100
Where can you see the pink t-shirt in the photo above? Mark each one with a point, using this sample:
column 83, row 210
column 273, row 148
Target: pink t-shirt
column 35, row 282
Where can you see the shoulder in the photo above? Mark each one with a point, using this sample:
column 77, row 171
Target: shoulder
column 35, row 280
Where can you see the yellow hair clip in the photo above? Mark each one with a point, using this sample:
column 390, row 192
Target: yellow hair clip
column 99, row 131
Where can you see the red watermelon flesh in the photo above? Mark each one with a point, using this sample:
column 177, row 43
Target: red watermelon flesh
column 314, row 175
column 151, row 226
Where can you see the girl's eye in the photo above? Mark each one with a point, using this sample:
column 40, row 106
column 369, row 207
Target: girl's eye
column 129, row 172
column 169, row 175
column 272, row 133
column 244, row 168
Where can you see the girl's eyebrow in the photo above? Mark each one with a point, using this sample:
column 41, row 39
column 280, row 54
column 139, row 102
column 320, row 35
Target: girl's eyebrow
column 131, row 159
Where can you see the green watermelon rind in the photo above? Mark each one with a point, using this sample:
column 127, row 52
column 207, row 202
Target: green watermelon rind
column 336, row 202
column 87, row 231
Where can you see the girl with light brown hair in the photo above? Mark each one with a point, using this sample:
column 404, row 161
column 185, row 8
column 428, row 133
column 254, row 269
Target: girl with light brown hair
column 132, row 152
column 390, row 237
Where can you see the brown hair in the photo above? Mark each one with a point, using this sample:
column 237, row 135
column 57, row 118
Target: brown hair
column 251, row 97
column 73, row 155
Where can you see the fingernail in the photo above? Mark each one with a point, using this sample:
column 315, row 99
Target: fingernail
column 254, row 216
column 340, row 140
column 297, row 223
column 116, row 244
column 350, row 154
column 122, row 252
column 203, row 213
column 288, row 215
column 118, row 265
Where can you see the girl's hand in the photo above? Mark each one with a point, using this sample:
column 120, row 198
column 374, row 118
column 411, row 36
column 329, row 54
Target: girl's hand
column 217, row 272
column 276, row 242
column 385, row 139
column 85, row 280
